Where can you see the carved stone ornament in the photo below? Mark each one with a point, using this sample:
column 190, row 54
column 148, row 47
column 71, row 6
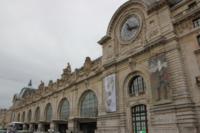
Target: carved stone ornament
column 131, row 63
column 67, row 72
column 50, row 83
column 41, row 86
column 158, row 68
column 59, row 82
column 87, row 64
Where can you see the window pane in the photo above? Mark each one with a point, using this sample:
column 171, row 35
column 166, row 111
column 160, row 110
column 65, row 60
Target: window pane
column 18, row 119
column 196, row 22
column 49, row 113
column 89, row 105
column 198, row 38
column 23, row 117
column 137, row 86
column 29, row 116
column 139, row 114
column 37, row 115
column 64, row 110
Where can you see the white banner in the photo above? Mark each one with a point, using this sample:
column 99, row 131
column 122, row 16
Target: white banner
column 110, row 93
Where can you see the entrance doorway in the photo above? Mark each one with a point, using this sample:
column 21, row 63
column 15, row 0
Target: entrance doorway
column 62, row 128
column 46, row 127
column 139, row 119
column 27, row 126
column 88, row 127
column 35, row 127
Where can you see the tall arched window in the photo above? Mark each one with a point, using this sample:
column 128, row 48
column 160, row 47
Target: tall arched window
column 13, row 116
column 18, row 117
column 23, row 117
column 37, row 114
column 64, row 109
column 139, row 117
column 49, row 112
column 29, row 115
column 137, row 86
column 89, row 105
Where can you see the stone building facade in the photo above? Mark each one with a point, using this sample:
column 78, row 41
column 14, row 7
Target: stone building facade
column 147, row 80
column 5, row 117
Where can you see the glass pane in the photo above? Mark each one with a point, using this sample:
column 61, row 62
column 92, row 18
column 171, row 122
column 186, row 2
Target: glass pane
column 19, row 117
column 199, row 22
column 37, row 114
column 49, row 113
column 196, row 22
column 29, row 116
column 137, row 86
column 139, row 118
column 64, row 111
column 23, row 117
column 89, row 105
column 198, row 38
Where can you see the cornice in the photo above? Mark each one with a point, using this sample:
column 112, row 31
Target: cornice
column 148, row 46
column 186, row 14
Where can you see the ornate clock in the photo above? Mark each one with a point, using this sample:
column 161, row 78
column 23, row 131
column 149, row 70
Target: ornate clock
column 130, row 28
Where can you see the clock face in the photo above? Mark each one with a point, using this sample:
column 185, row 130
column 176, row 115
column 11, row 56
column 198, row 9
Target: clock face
column 130, row 28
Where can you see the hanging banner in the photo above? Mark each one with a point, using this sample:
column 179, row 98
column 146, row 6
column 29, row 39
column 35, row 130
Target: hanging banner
column 110, row 93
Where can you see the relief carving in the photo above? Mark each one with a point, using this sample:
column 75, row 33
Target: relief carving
column 183, row 27
column 153, row 29
column 132, row 63
column 153, row 33
column 108, row 50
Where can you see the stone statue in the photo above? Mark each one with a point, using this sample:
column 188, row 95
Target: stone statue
column 87, row 64
column 67, row 72
column 41, row 86
column 50, row 82
column 30, row 83
column 69, row 67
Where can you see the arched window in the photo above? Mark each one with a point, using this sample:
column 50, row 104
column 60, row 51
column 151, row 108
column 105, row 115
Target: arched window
column 13, row 116
column 89, row 105
column 29, row 115
column 37, row 114
column 18, row 117
column 49, row 112
column 137, row 86
column 64, row 109
column 23, row 117
column 139, row 118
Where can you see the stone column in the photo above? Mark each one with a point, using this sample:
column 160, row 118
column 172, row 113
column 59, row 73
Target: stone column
column 186, row 118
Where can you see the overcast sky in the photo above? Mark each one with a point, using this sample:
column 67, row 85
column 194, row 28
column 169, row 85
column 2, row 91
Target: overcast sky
column 39, row 37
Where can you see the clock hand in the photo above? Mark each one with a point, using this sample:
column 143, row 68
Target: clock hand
column 134, row 27
column 130, row 28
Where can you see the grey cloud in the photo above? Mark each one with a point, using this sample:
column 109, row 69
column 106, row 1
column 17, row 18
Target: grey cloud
column 39, row 37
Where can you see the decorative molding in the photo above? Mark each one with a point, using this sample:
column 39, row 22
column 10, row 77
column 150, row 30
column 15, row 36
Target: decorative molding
column 104, row 39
